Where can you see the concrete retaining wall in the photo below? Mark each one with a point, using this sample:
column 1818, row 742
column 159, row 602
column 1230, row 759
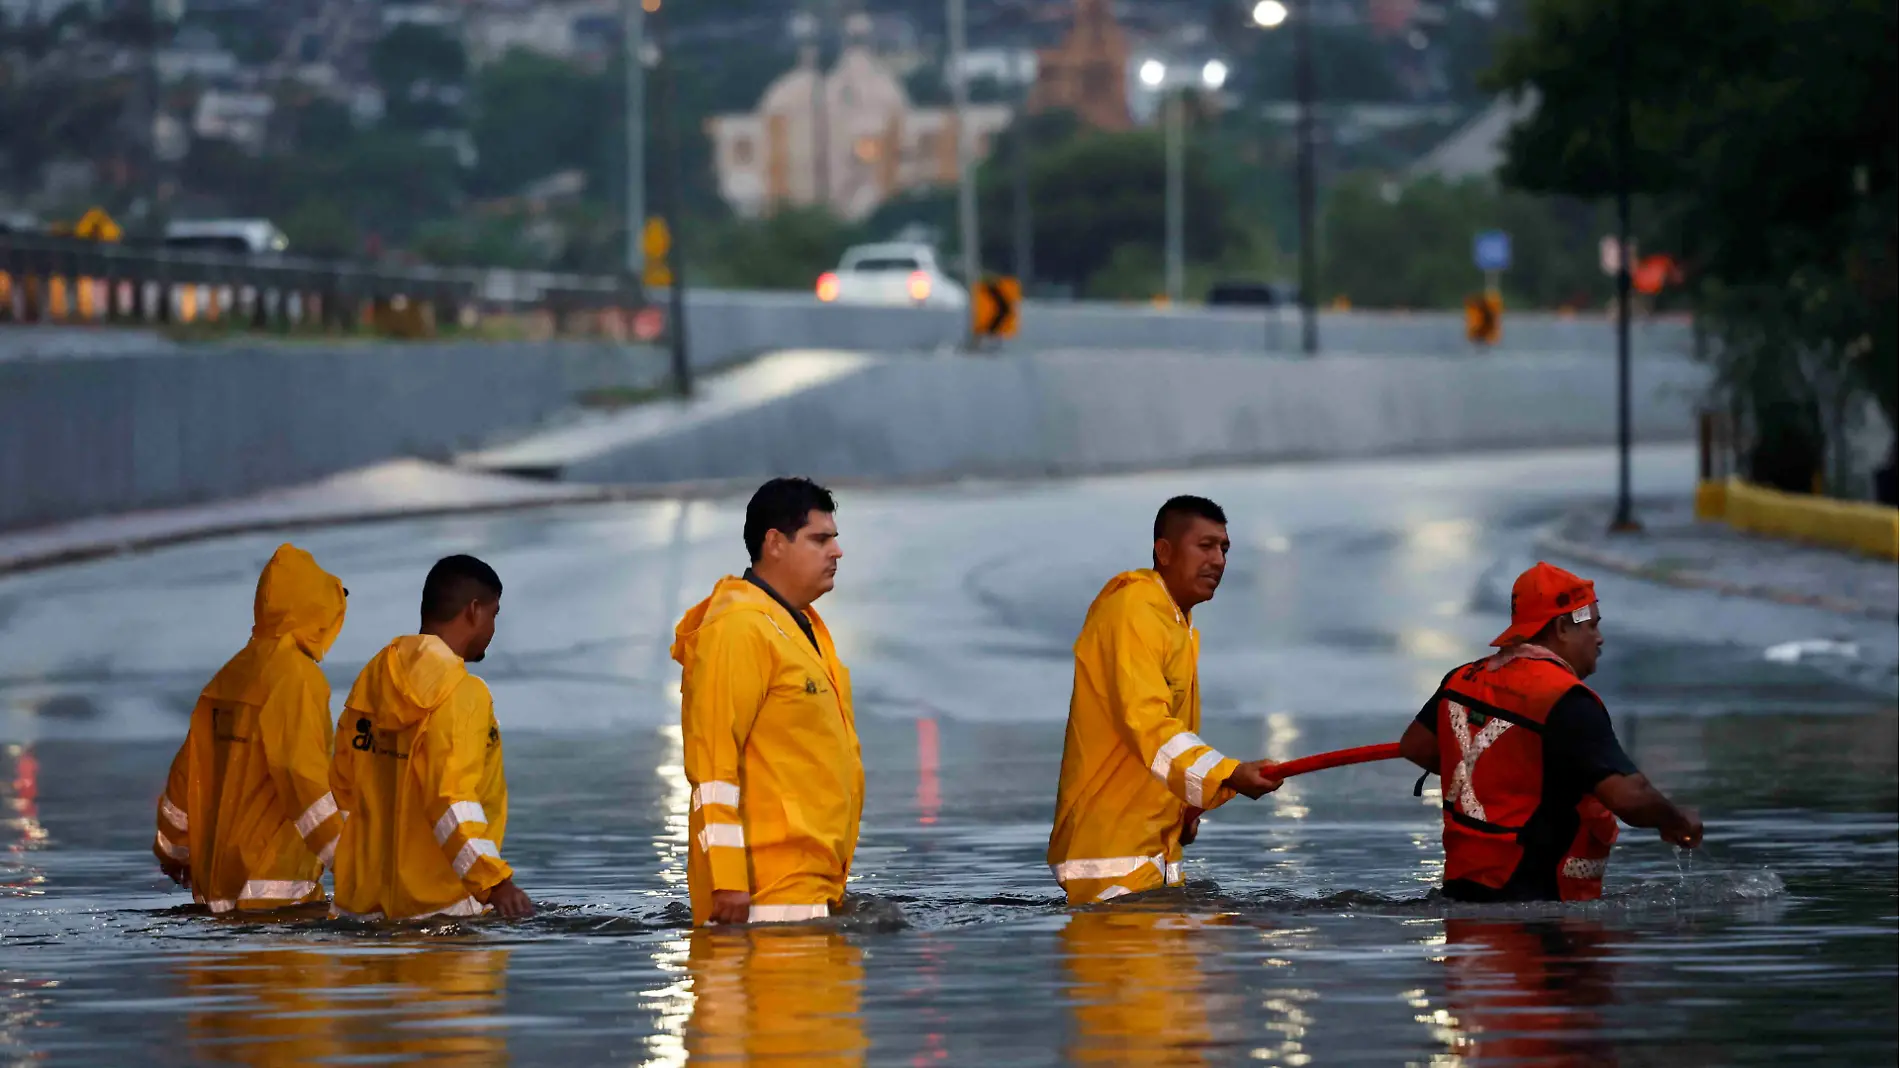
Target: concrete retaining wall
column 117, row 432
column 1066, row 413
column 724, row 325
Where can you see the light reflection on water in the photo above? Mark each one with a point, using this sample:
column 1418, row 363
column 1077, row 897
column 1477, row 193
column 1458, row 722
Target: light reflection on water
column 1300, row 940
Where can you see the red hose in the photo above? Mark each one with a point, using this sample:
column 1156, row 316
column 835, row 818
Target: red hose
column 1339, row 758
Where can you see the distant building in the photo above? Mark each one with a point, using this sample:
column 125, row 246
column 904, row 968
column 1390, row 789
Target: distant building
column 195, row 54
column 1088, row 72
column 570, row 31
column 848, row 138
column 243, row 119
column 1477, row 148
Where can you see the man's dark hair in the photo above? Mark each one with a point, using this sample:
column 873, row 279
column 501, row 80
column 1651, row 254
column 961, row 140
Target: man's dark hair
column 784, row 505
column 1175, row 514
column 453, row 582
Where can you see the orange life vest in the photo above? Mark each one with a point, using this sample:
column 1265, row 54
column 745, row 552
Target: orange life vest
column 1491, row 756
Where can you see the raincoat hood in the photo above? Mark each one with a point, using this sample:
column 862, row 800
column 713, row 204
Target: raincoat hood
column 409, row 679
column 296, row 599
column 731, row 594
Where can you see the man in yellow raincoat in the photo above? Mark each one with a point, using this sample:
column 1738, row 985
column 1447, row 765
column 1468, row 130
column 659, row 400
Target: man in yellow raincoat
column 1135, row 774
column 771, row 746
column 418, row 769
column 247, row 820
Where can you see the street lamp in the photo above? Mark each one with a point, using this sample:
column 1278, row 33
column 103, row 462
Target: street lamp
column 1269, row 14
column 1156, row 75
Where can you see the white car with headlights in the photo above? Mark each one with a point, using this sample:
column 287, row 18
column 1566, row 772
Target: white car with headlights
column 904, row 275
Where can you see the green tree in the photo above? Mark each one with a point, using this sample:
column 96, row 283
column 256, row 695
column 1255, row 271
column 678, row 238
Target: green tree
column 422, row 72
column 535, row 116
column 1766, row 131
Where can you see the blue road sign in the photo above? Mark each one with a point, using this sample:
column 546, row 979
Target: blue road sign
column 1491, row 250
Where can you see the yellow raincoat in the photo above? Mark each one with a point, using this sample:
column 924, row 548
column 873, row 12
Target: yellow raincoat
column 771, row 753
column 1132, row 765
column 418, row 771
column 247, row 805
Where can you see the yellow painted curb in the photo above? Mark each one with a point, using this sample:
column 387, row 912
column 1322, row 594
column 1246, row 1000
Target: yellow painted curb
column 1873, row 529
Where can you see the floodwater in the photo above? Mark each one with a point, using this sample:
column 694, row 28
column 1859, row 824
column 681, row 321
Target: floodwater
column 1306, row 935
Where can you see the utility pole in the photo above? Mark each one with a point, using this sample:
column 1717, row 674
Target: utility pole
column 1025, row 232
column 1309, row 240
column 1625, row 508
column 966, row 178
column 1174, row 150
column 668, row 71
column 633, row 37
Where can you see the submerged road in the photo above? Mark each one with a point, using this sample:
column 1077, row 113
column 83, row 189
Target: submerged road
column 1308, row 936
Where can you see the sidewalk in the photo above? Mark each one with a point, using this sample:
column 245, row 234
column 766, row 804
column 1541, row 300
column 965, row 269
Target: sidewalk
column 1674, row 549
column 397, row 489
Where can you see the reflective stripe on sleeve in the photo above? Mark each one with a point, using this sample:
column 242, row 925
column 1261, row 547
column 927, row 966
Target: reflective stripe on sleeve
column 787, row 913
column 1173, row 747
column 321, row 809
column 173, row 814
column 722, row 834
column 1197, row 774
column 328, row 854
column 1579, row 868
column 173, row 849
column 459, row 813
column 471, row 849
column 716, row 793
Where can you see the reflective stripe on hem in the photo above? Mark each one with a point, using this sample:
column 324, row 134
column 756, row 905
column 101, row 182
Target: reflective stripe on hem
column 471, row 849
column 1173, row 874
column 173, row 814
column 722, row 834
column 173, row 849
column 468, row 906
column 1170, row 749
column 1102, row 868
column 787, row 913
column 321, row 809
column 459, row 813
column 1580, row 868
column 1112, row 893
column 716, row 793
column 1197, row 777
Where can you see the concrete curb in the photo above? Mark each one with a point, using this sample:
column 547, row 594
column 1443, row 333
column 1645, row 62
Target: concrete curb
column 1552, row 540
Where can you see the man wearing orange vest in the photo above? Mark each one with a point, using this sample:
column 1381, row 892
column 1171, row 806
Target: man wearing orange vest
column 1534, row 776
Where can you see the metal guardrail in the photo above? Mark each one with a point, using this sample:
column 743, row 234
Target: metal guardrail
column 53, row 279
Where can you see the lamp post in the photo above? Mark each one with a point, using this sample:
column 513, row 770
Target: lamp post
column 1625, row 519
column 966, row 175
column 1157, row 75
column 633, row 37
column 1269, row 15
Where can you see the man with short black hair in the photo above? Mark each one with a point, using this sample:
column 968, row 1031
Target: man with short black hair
column 418, row 766
column 1535, row 768
column 765, row 704
column 1135, row 774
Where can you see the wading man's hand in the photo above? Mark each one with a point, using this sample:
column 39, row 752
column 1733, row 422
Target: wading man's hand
column 510, row 901
column 1254, row 780
column 731, row 906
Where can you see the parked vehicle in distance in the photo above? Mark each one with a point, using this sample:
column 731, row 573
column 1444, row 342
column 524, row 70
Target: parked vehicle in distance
column 245, row 237
column 1248, row 293
column 893, row 273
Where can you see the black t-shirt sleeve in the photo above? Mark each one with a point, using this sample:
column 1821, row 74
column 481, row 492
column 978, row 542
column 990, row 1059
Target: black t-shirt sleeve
column 1579, row 740
column 1428, row 716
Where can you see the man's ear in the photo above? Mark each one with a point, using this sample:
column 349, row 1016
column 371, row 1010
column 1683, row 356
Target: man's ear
column 1164, row 552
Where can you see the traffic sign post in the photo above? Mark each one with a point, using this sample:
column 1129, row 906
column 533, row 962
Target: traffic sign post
column 1491, row 251
column 994, row 306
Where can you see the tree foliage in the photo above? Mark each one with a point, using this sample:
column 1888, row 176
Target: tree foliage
column 1766, row 132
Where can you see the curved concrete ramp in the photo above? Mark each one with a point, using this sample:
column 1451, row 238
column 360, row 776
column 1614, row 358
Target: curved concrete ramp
column 844, row 416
